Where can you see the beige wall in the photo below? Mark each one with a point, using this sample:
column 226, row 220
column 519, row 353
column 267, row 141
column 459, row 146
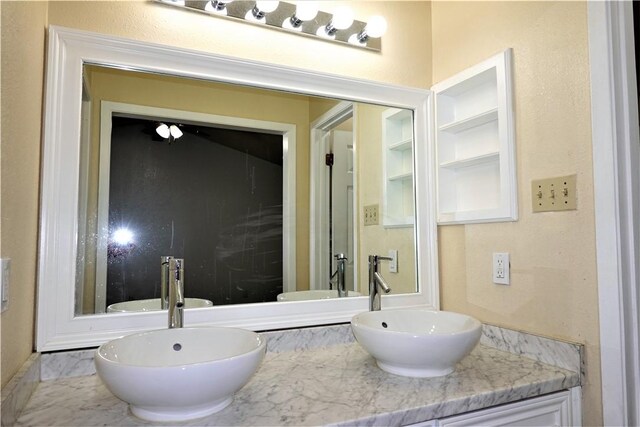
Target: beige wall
column 23, row 24
column 553, row 287
column 378, row 239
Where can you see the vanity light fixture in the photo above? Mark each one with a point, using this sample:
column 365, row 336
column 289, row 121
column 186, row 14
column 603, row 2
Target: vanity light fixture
column 301, row 17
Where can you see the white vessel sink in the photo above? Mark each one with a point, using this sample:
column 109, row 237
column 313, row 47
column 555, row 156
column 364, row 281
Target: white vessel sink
column 179, row 374
column 313, row 294
column 153, row 304
column 416, row 342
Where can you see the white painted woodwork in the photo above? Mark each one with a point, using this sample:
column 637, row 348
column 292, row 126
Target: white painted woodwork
column 561, row 409
column 58, row 327
column 616, row 176
column 397, row 168
column 475, row 141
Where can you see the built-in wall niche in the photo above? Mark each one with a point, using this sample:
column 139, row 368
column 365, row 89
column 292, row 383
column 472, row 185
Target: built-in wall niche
column 397, row 155
column 475, row 144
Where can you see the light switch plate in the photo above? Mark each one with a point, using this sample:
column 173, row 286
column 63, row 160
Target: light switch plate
column 371, row 215
column 554, row 194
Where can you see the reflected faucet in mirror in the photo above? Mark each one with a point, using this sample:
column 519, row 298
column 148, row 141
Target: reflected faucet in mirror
column 376, row 281
column 338, row 277
column 176, row 292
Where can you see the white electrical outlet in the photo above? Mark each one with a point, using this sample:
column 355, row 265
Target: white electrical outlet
column 501, row 268
column 5, row 273
column 393, row 264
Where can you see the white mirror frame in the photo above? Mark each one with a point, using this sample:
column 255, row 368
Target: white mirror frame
column 57, row 325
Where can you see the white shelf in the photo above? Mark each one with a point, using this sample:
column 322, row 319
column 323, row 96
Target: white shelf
column 401, row 177
column 475, row 144
column 402, row 145
column 472, row 161
column 470, row 122
column 397, row 155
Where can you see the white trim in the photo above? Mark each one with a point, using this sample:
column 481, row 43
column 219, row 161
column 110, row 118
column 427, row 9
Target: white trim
column 57, row 325
column 616, row 161
column 288, row 132
column 318, row 229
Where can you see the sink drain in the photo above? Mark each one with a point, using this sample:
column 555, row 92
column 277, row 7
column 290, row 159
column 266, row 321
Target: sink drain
column 177, row 346
column 384, row 324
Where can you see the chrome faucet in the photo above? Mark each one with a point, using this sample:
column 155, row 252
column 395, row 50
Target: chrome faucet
column 375, row 281
column 176, row 292
column 164, row 282
column 339, row 276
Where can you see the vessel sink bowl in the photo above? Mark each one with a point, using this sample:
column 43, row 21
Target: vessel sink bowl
column 313, row 295
column 179, row 374
column 153, row 304
column 416, row 342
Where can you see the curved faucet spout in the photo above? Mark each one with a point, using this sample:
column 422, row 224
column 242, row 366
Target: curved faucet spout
column 341, row 286
column 176, row 292
column 376, row 281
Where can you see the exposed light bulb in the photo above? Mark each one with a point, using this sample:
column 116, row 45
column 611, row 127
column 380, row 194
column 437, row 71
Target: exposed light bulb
column 376, row 27
column 306, row 10
column 175, row 131
column 267, row 6
column 342, row 18
column 163, row 130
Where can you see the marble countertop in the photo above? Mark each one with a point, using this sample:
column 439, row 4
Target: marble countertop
column 333, row 385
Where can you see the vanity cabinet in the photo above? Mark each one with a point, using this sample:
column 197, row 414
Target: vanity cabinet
column 474, row 137
column 556, row 409
column 397, row 159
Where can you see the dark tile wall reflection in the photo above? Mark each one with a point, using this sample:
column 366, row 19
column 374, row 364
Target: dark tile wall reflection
column 212, row 197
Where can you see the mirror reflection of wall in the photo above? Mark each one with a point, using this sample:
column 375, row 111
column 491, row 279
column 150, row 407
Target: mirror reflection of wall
column 102, row 84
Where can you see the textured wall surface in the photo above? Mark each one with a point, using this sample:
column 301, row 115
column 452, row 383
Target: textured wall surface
column 23, row 24
column 553, row 287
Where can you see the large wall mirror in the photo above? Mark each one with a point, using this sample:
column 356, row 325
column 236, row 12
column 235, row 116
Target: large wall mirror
column 258, row 176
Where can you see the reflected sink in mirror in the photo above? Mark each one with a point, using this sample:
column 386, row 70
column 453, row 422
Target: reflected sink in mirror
column 416, row 342
column 179, row 374
column 313, row 295
column 153, row 304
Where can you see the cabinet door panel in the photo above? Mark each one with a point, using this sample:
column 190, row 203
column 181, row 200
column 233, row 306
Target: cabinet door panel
column 550, row 410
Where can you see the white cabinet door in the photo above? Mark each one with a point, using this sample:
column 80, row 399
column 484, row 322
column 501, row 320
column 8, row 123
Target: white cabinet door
column 558, row 409
column 550, row 410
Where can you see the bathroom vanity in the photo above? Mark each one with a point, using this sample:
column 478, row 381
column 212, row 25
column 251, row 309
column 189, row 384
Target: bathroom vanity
column 312, row 376
column 321, row 376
